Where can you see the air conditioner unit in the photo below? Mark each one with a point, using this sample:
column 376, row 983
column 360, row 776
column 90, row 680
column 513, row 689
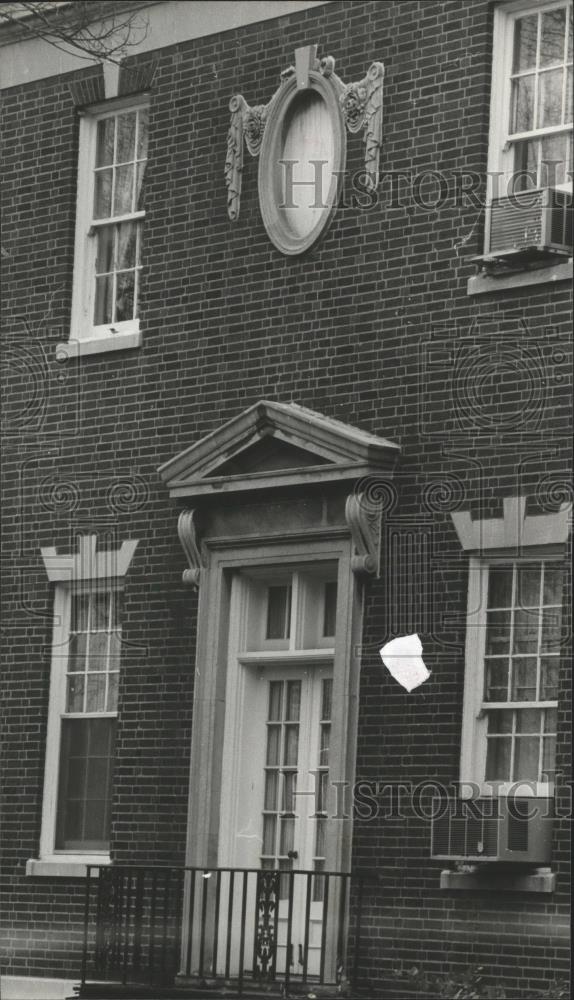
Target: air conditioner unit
column 530, row 226
column 496, row 829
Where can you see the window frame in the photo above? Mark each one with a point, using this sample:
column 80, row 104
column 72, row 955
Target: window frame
column 85, row 336
column 500, row 148
column 56, row 712
column 474, row 718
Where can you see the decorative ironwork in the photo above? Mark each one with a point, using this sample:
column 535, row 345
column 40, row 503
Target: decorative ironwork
column 109, row 907
column 267, row 904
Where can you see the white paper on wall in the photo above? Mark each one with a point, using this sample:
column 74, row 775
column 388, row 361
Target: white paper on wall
column 402, row 658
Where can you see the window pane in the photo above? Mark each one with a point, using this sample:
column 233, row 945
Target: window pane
column 127, row 241
column 116, row 597
column 549, row 678
column 125, row 285
column 325, row 744
column 103, row 194
column 330, row 616
column 526, row 751
column 96, row 693
column 524, row 679
column 140, row 187
column 528, row 590
column 95, row 822
column 126, row 137
column 291, row 745
column 496, row 680
column 269, row 826
column 98, row 768
column 80, row 605
column 102, row 735
column 500, row 722
column 498, row 758
column 568, row 111
column 100, row 610
column 525, row 165
column 112, row 704
column 271, row 788
column 124, row 187
column 552, row 585
column 497, row 632
column 550, row 720
column 273, row 743
column 98, row 651
column 548, row 758
column 525, row 632
column 523, row 104
column 289, row 790
column 143, row 128
column 293, row 700
column 551, row 631
column 500, row 587
column 105, row 252
column 275, row 700
column 528, row 720
column 105, row 142
column 550, row 98
column 278, row 612
column 75, row 698
column 320, row 826
column 552, row 37
column 326, row 707
column 115, row 650
column 525, row 40
column 77, row 652
column 553, row 166
column 287, row 834
column 103, row 307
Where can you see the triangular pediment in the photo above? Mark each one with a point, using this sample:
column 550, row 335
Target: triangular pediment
column 276, row 444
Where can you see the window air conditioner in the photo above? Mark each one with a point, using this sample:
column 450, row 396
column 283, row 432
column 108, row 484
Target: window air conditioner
column 497, row 829
column 529, row 227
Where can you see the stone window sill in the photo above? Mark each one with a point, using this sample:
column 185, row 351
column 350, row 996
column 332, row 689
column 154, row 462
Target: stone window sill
column 64, row 867
column 540, row 880
column 98, row 345
column 481, row 284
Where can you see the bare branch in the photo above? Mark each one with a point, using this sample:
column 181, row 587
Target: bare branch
column 90, row 30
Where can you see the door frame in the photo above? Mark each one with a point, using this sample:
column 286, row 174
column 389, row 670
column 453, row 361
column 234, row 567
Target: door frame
column 209, row 704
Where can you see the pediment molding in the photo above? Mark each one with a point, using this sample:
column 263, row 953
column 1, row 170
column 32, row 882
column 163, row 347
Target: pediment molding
column 307, row 448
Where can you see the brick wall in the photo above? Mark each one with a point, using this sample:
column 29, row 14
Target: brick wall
column 374, row 327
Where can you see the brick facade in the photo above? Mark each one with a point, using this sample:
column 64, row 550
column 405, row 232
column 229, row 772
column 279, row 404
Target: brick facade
column 374, row 327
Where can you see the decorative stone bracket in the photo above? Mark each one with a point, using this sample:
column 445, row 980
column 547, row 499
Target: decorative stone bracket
column 361, row 105
column 187, row 531
column 364, row 519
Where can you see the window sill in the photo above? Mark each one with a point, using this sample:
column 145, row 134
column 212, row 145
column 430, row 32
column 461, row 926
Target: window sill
column 498, row 880
column 481, row 284
column 70, row 866
column 98, row 345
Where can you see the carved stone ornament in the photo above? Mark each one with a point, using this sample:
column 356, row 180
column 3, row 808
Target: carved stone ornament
column 187, row 531
column 313, row 102
column 364, row 519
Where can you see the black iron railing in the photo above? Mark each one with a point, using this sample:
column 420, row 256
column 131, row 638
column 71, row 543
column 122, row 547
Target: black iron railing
column 151, row 925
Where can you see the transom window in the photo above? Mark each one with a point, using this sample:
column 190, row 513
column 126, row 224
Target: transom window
column 540, row 119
